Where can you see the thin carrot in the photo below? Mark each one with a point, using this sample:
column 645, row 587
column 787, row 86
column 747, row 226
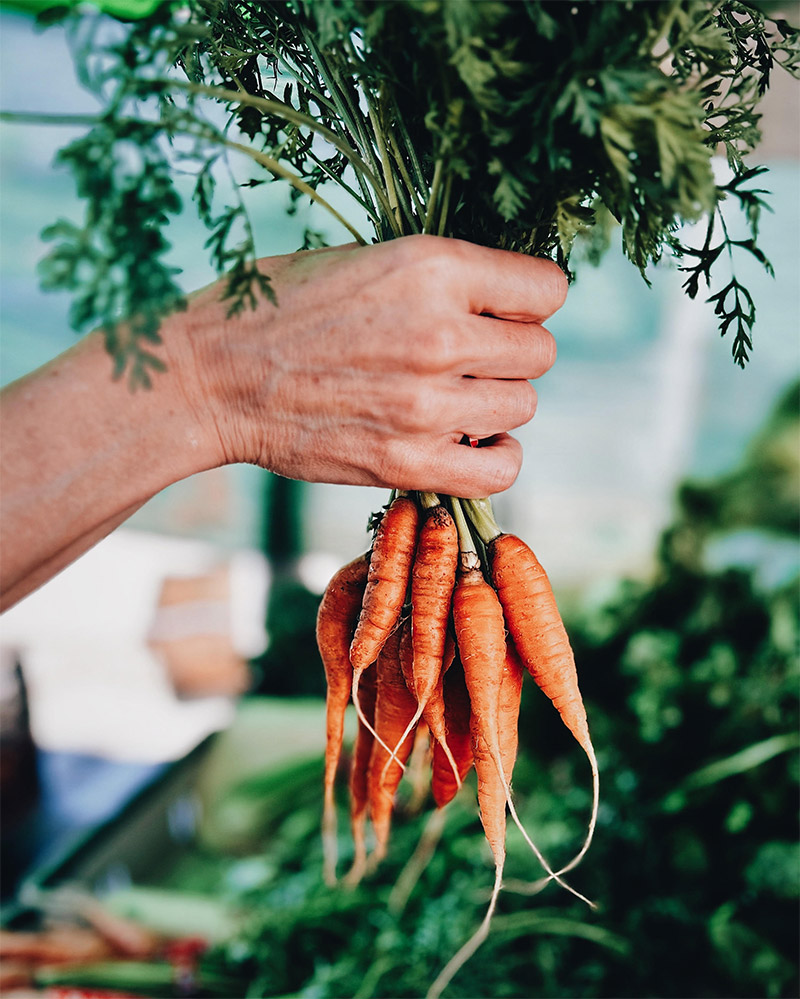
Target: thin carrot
column 336, row 620
column 435, row 714
column 537, row 629
column 492, row 789
column 362, row 750
column 432, row 581
column 457, row 726
column 492, row 803
column 535, row 625
column 432, row 708
column 539, row 635
column 389, row 570
column 480, row 634
column 387, row 582
column 405, row 650
column 508, row 710
column 394, row 707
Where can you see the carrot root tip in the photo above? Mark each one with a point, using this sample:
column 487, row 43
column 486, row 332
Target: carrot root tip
column 459, row 959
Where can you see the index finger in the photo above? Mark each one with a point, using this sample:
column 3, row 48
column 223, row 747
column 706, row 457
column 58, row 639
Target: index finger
column 510, row 285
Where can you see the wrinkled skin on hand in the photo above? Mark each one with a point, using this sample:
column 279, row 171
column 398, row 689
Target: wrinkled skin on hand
column 375, row 363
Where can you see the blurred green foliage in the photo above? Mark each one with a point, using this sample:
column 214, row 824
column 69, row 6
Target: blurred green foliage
column 691, row 685
column 53, row 9
column 691, row 682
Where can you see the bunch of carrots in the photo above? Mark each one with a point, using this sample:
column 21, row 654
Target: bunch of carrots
column 430, row 634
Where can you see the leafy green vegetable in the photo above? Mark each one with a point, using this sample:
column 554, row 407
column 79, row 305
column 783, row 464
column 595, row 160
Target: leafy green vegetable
column 521, row 124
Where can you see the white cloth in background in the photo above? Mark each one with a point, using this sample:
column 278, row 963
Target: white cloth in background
column 94, row 685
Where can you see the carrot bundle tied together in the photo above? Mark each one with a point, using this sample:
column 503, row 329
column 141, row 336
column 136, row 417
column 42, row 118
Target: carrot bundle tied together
column 432, row 634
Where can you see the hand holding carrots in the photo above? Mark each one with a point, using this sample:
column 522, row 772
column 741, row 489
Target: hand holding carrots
column 375, row 363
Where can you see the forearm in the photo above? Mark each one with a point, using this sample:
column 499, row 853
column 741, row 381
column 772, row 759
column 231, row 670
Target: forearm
column 80, row 452
column 50, row 566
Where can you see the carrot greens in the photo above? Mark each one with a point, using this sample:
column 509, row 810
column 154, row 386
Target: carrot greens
column 525, row 124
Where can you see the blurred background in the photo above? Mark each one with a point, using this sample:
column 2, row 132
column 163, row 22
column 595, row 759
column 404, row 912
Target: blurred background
column 660, row 490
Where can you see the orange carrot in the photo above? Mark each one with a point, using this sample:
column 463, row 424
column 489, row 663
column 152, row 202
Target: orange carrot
column 405, row 651
column 389, row 572
column 394, row 708
column 432, row 709
column 387, row 582
column 362, row 750
column 508, row 711
column 539, row 635
column 457, row 727
column 432, row 581
column 336, row 621
column 537, row 629
column 480, row 634
column 434, row 713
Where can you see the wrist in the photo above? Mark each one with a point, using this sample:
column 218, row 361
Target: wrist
column 151, row 434
column 222, row 366
column 186, row 393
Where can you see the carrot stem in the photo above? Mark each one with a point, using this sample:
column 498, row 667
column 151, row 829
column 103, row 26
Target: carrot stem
column 481, row 515
column 465, row 540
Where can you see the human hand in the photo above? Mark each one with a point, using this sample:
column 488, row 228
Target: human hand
column 375, row 364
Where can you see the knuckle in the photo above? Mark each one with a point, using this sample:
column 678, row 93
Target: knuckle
column 423, row 243
column 528, row 401
column 393, row 464
column 504, row 474
column 547, row 348
column 419, row 248
column 436, row 273
column 441, row 348
column 415, row 410
column 554, row 284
